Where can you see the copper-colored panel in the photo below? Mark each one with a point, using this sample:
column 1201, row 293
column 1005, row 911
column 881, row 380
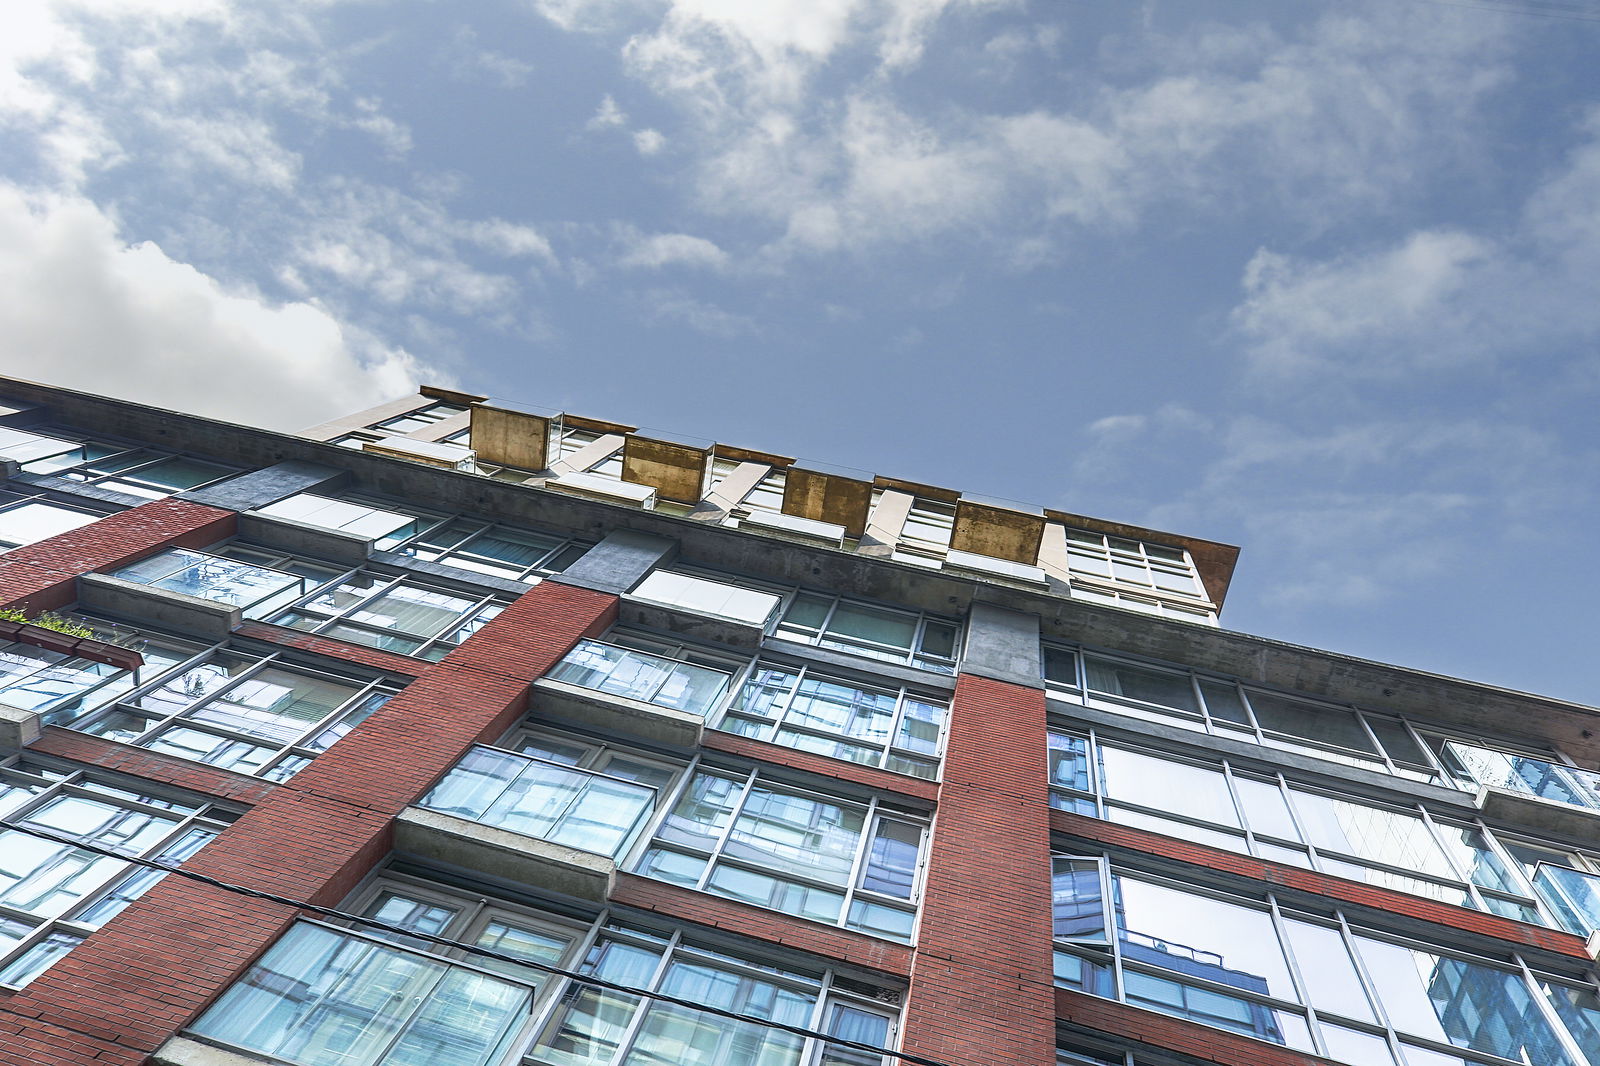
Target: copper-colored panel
column 598, row 425
column 676, row 471
column 510, row 438
column 931, row 492
column 997, row 532
column 746, row 455
column 465, row 399
column 828, row 498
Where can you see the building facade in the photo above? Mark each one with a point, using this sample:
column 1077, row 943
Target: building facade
column 459, row 733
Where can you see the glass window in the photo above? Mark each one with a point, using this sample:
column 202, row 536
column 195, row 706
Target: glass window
column 53, row 893
column 238, row 712
column 772, row 846
column 395, row 614
column 256, row 590
column 1252, row 969
column 630, row 667
column 1096, row 557
column 32, row 520
column 704, row 595
column 137, row 471
column 798, row 708
column 863, row 629
column 498, row 550
column 541, row 798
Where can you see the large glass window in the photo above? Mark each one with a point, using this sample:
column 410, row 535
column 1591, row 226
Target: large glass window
column 866, row 629
column 1311, row 982
column 54, row 893
column 393, row 613
column 121, row 467
column 241, row 712
column 650, row 671
column 376, row 992
column 1240, row 809
column 741, row 836
column 256, row 590
column 421, row 418
column 27, row 518
column 1223, row 706
column 799, row 708
column 41, row 679
column 327, row 996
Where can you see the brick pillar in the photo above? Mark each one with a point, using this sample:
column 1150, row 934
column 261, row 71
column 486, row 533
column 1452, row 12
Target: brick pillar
column 981, row 980
column 43, row 576
column 155, row 966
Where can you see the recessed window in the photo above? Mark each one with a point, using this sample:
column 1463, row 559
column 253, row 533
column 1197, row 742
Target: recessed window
column 866, row 629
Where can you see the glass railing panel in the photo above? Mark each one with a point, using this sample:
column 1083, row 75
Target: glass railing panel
column 1529, row 776
column 642, row 676
column 537, row 798
column 256, row 590
column 1572, row 895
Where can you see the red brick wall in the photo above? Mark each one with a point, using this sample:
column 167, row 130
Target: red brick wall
column 43, row 576
column 156, row 965
column 981, row 977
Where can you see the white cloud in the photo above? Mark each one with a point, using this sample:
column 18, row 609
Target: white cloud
column 81, row 308
column 675, row 305
column 649, row 142
column 1438, row 298
column 672, row 249
column 608, row 115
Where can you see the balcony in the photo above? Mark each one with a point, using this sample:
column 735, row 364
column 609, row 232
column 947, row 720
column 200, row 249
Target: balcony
column 528, row 820
column 611, row 687
column 191, row 591
column 1533, row 792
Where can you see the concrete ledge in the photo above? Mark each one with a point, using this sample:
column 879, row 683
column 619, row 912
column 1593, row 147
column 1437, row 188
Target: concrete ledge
column 1503, row 806
column 619, row 562
column 18, row 728
column 258, row 488
column 1003, row 645
column 169, row 610
column 333, row 545
column 504, row 855
column 183, row 1051
column 703, row 627
column 610, row 713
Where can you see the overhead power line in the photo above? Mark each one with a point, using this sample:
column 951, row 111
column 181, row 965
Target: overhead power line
column 472, row 949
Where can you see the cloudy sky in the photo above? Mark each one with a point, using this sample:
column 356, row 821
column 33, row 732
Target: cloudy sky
column 1315, row 278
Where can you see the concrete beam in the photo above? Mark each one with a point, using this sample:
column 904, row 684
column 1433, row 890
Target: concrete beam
column 262, row 487
column 158, row 607
column 1003, row 645
column 612, row 715
column 186, row 1051
column 285, row 534
column 18, row 728
column 619, row 562
column 503, row 855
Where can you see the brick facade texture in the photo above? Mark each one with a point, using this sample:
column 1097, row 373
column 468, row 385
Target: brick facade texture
column 155, row 966
column 980, row 980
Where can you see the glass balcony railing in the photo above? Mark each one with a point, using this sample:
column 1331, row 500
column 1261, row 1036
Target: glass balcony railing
column 1573, row 895
column 1528, row 776
column 643, row 676
column 543, row 799
column 256, row 590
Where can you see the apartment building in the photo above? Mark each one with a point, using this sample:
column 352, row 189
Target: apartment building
column 457, row 732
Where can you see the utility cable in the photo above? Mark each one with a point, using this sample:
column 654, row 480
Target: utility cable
column 471, row 949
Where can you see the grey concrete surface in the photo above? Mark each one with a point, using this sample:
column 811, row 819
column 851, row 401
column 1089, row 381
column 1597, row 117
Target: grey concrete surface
column 619, row 562
column 105, row 594
column 503, row 855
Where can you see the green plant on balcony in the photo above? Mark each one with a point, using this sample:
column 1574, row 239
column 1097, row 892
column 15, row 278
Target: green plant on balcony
column 47, row 620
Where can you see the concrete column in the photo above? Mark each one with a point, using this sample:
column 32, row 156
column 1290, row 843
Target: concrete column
column 1003, row 645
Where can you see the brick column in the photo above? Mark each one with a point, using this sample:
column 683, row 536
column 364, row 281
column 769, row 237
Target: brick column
column 153, row 968
column 43, row 576
column 981, row 979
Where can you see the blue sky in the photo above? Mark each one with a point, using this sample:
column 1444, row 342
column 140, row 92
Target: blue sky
column 1318, row 279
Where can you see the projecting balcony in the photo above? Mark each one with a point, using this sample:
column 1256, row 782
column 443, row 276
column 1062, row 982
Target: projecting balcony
column 613, row 688
column 524, row 819
column 1529, row 791
column 191, row 591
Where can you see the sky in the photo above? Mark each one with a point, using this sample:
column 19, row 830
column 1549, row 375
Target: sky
column 1319, row 279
